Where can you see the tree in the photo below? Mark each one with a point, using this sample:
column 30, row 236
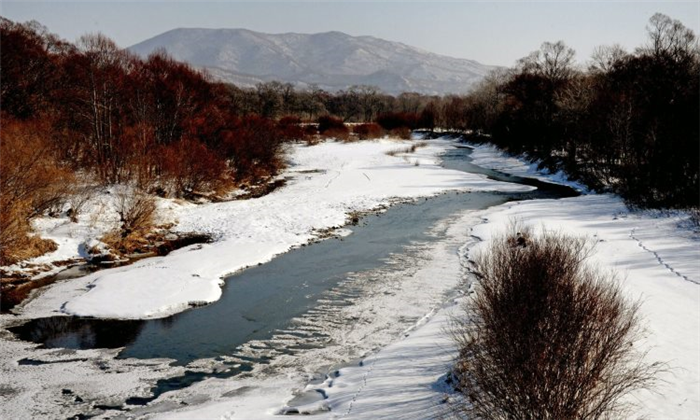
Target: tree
column 270, row 98
column 670, row 37
column 553, row 61
column 99, row 76
column 604, row 57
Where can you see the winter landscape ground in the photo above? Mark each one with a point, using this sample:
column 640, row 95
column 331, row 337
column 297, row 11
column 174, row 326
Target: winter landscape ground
column 390, row 349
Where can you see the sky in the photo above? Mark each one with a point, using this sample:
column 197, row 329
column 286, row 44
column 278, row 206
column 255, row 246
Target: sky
column 494, row 32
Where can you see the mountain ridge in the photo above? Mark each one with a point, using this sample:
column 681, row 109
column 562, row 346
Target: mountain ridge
column 331, row 60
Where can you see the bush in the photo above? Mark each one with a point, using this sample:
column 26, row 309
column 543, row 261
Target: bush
column 136, row 211
column 310, row 130
column 14, row 232
column 368, row 131
column 393, row 120
column 291, row 129
column 546, row 336
column 338, row 133
column 190, row 167
column 254, row 149
column 31, row 182
column 332, row 127
column 401, row 132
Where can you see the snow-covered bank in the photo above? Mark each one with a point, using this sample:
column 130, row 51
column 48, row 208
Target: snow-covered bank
column 657, row 258
column 490, row 157
column 401, row 301
column 657, row 261
column 325, row 183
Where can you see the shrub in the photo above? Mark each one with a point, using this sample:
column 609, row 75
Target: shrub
column 368, row 131
column 310, row 130
column 393, row 120
column 401, row 132
column 190, row 167
column 14, row 232
column 338, row 133
column 136, row 211
column 332, row 127
column 291, row 129
column 31, row 182
column 254, row 149
column 547, row 337
column 79, row 197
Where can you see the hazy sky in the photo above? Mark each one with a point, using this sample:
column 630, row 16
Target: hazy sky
column 489, row 32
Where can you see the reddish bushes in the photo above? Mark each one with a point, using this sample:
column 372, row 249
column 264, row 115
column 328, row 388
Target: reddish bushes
column 253, row 147
column 189, row 167
column 368, row 131
column 331, row 127
column 397, row 120
column 291, row 129
column 328, row 122
column 31, row 181
column 118, row 116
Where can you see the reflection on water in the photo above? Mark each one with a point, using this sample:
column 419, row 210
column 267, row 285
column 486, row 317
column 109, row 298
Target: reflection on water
column 79, row 333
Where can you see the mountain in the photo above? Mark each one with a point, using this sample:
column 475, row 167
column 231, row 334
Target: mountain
column 330, row 60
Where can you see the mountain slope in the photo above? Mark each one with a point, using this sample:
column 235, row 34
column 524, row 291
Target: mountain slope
column 331, row 60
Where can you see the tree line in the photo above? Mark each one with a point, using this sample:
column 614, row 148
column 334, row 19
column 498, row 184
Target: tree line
column 85, row 112
column 91, row 110
column 628, row 123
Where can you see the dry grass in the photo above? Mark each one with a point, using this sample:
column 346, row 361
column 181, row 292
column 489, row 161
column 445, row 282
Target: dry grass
column 136, row 210
column 409, row 149
column 37, row 246
column 368, row 131
column 547, row 337
column 401, row 132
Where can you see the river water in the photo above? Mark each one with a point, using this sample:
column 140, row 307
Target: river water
column 267, row 301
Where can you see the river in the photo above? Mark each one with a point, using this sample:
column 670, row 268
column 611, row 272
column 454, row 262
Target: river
column 282, row 308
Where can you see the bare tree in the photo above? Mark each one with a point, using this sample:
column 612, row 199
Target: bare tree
column 553, row 61
column 605, row 56
column 669, row 36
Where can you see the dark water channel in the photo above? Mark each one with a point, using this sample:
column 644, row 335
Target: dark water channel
column 263, row 299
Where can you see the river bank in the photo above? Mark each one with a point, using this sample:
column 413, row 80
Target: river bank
column 396, row 327
column 328, row 181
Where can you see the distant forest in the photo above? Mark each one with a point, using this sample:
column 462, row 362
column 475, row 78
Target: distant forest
column 70, row 112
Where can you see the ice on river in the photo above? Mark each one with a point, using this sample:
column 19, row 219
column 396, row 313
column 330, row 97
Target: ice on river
column 325, row 183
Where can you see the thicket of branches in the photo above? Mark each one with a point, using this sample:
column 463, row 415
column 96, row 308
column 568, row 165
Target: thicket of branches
column 95, row 109
column 629, row 123
column 547, row 337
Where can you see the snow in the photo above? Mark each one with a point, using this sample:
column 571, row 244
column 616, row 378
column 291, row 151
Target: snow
column 657, row 263
column 403, row 301
column 33, row 391
column 657, row 259
column 384, row 369
column 491, row 157
column 325, row 183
